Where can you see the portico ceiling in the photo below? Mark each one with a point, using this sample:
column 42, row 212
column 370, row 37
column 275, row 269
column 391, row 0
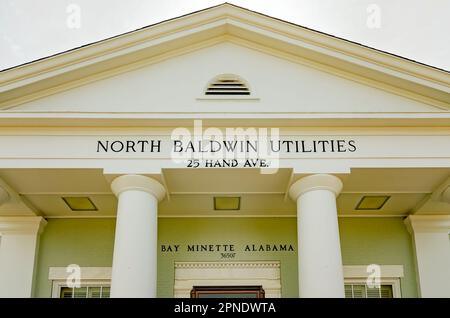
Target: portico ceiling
column 191, row 192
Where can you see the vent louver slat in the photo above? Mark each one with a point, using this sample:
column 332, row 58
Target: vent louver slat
column 227, row 85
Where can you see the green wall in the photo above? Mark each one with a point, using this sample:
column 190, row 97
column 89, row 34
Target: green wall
column 238, row 231
column 89, row 242
column 383, row 241
column 86, row 242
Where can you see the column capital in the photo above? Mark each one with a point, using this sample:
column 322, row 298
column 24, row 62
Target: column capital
column 428, row 223
column 136, row 182
column 315, row 182
column 22, row 225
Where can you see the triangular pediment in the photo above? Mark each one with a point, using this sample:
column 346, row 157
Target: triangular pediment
column 165, row 68
column 177, row 85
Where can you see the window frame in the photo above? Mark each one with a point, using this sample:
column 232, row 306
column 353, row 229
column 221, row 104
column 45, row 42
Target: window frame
column 229, row 290
column 394, row 282
column 58, row 286
column 212, row 273
column 101, row 276
column 390, row 275
column 91, row 277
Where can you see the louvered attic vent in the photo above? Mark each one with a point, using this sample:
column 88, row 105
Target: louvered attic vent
column 226, row 85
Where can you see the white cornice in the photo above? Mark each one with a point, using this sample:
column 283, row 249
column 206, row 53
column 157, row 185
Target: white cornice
column 31, row 225
column 107, row 58
column 255, row 264
column 63, row 119
column 428, row 223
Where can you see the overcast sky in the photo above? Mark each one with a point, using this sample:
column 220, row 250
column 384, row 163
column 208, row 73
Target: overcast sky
column 417, row 29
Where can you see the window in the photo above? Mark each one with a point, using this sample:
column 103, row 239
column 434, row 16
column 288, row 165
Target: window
column 85, row 292
column 227, row 292
column 355, row 281
column 363, row 291
column 205, row 279
column 95, row 282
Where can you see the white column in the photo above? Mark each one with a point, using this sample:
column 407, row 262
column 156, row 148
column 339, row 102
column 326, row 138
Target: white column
column 19, row 238
column 135, row 249
column 432, row 250
column 320, row 271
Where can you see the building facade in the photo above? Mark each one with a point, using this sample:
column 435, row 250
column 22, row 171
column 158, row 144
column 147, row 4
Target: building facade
column 224, row 153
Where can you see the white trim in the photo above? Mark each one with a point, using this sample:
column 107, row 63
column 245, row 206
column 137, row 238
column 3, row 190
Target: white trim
column 18, row 254
column 428, row 223
column 223, row 215
column 313, row 183
column 430, row 235
column 229, row 98
column 58, row 285
column 87, row 273
column 394, row 282
column 236, row 264
column 90, row 276
column 360, row 271
column 390, row 275
column 30, row 225
column 134, row 182
column 264, row 273
column 47, row 119
column 406, row 77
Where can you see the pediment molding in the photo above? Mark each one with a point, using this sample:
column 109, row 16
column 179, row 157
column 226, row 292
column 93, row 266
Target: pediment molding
column 205, row 28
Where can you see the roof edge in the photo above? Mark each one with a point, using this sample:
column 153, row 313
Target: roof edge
column 429, row 78
column 224, row 4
